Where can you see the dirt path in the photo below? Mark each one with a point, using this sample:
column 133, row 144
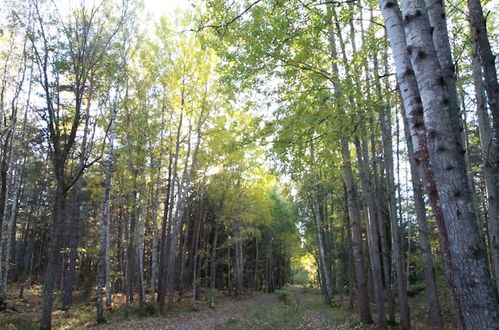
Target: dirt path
column 317, row 319
column 293, row 308
column 225, row 311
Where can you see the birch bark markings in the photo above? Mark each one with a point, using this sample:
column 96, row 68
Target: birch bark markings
column 486, row 78
column 470, row 276
column 414, row 113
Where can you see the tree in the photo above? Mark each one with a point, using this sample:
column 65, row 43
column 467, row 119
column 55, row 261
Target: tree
column 85, row 45
column 447, row 161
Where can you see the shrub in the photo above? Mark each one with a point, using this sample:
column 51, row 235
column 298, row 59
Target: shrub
column 283, row 295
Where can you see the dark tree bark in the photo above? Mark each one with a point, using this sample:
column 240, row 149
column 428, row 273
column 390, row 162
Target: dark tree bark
column 372, row 231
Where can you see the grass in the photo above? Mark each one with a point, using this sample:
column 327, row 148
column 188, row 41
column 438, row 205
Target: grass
column 288, row 308
column 260, row 316
column 293, row 309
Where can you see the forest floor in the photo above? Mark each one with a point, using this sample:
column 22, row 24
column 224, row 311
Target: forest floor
column 292, row 308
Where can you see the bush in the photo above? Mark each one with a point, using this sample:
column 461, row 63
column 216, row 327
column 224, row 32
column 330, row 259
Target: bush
column 283, row 295
column 149, row 309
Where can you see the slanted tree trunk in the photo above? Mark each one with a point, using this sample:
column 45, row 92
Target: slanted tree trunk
column 414, row 114
column 8, row 127
column 488, row 156
column 487, row 58
column 470, row 277
column 184, row 187
column 440, row 34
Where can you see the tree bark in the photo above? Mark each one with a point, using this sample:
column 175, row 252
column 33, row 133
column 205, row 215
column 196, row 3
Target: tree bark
column 395, row 231
column 488, row 151
column 484, row 51
column 429, row 270
column 326, row 270
column 163, row 242
column 239, row 261
column 478, row 307
column 54, row 256
column 353, row 207
column 372, row 234
column 176, row 223
column 104, row 254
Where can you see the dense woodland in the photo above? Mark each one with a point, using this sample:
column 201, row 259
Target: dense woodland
column 239, row 146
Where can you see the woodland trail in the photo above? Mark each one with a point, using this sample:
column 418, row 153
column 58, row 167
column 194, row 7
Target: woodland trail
column 224, row 313
column 293, row 309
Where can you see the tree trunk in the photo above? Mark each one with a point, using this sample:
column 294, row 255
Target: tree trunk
column 54, row 255
column 139, row 256
column 372, row 234
column 488, row 156
column 104, row 256
column 326, row 270
column 154, row 244
column 478, row 307
column 75, row 224
column 353, row 207
column 385, row 124
column 398, row 256
column 163, row 242
column 358, row 255
column 176, row 223
column 429, row 270
column 269, row 267
column 239, row 261
column 10, row 245
column 482, row 46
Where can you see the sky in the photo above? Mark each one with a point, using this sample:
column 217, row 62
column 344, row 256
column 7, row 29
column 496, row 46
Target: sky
column 159, row 8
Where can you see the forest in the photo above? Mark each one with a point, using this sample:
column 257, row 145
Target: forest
column 249, row 164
